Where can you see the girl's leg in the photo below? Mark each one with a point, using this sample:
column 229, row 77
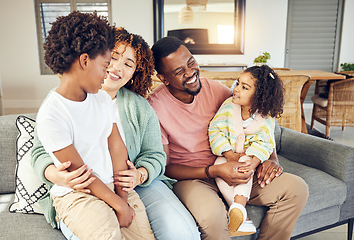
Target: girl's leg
column 226, row 190
column 168, row 217
column 236, row 197
column 242, row 192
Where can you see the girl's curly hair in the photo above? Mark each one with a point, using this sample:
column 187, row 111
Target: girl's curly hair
column 141, row 80
column 268, row 98
column 75, row 34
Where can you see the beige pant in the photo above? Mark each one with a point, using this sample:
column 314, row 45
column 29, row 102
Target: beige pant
column 286, row 196
column 88, row 217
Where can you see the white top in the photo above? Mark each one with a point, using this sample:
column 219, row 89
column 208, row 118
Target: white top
column 119, row 123
column 86, row 124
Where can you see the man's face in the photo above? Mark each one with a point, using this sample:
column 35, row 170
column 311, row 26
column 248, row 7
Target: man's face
column 181, row 72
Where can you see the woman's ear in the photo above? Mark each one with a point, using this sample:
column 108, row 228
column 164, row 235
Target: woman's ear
column 163, row 79
column 83, row 60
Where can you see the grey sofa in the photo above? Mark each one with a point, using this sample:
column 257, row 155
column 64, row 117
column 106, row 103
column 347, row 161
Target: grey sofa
column 327, row 167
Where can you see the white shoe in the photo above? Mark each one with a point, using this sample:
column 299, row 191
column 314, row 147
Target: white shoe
column 247, row 228
column 237, row 216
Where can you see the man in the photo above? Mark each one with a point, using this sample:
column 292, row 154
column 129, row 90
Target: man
column 185, row 104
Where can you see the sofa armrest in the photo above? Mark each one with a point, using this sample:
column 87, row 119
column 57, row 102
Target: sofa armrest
column 333, row 158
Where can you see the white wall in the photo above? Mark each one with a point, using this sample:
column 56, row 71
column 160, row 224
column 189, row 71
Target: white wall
column 347, row 44
column 23, row 86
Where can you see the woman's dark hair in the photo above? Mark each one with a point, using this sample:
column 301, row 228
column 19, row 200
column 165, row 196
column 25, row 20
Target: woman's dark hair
column 142, row 80
column 268, row 98
column 164, row 47
column 75, row 34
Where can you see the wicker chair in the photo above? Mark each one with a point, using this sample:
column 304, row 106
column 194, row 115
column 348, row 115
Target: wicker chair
column 338, row 109
column 227, row 78
column 292, row 111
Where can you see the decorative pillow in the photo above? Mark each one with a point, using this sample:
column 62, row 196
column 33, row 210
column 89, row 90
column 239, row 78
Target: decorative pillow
column 29, row 187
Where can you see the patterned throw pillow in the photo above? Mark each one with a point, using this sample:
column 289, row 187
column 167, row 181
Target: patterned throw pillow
column 29, row 187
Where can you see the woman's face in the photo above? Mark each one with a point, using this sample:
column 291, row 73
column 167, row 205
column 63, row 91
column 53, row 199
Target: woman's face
column 120, row 70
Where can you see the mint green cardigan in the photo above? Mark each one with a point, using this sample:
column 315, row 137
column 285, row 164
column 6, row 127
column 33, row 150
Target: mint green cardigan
column 143, row 141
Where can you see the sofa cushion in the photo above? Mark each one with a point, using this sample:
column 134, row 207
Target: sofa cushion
column 8, row 133
column 24, row 226
column 325, row 191
column 29, row 187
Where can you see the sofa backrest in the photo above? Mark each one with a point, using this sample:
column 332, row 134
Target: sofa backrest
column 277, row 134
column 8, row 137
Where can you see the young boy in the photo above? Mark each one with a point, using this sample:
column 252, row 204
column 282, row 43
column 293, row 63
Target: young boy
column 76, row 123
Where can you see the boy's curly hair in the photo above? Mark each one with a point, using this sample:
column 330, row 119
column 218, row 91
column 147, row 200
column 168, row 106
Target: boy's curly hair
column 142, row 80
column 75, row 34
column 268, row 98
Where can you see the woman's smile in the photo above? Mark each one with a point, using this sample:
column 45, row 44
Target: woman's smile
column 113, row 76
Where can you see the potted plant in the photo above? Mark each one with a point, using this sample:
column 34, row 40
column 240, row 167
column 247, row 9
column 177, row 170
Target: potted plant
column 347, row 66
column 347, row 69
column 262, row 59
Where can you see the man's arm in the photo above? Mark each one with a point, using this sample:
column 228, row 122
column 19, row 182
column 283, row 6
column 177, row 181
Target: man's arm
column 227, row 171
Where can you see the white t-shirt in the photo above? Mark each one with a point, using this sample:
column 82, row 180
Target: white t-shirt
column 119, row 123
column 86, row 124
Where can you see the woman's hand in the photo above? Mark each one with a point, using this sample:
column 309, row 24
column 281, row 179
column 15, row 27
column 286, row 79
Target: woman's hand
column 267, row 171
column 127, row 179
column 77, row 179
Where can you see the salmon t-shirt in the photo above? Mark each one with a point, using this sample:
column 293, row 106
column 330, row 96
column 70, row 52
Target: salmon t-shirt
column 184, row 127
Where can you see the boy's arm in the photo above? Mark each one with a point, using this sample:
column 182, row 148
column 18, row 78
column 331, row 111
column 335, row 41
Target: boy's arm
column 119, row 157
column 97, row 187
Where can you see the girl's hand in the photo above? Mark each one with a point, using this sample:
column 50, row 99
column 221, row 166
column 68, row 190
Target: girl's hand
column 232, row 156
column 127, row 179
column 252, row 165
column 77, row 180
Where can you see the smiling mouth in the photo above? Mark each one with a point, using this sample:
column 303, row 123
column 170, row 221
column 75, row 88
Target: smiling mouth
column 192, row 80
column 114, row 76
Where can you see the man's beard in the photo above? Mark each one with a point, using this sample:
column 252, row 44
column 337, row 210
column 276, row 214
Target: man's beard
column 193, row 93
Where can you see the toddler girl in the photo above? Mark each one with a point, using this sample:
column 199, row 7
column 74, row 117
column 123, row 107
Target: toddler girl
column 243, row 130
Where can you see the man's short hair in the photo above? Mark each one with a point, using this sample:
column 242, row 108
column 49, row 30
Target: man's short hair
column 75, row 34
column 164, row 47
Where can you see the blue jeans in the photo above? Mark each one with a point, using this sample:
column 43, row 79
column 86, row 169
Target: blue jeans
column 168, row 217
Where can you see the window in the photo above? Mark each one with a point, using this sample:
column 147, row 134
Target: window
column 48, row 10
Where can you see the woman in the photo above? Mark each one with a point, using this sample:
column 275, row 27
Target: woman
column 131, row 66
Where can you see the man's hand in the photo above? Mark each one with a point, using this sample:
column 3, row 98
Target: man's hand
column 125, row 215
column 267, row 171
column 230, row 173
